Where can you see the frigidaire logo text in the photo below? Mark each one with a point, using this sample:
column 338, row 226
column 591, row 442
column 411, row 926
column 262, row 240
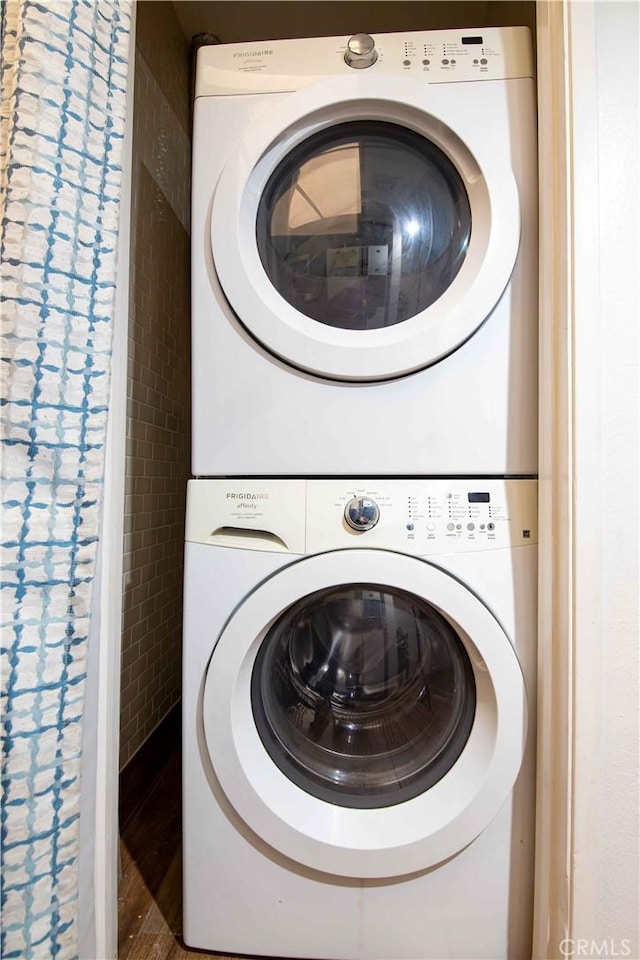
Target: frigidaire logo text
column 247, row 496
column 254, row 53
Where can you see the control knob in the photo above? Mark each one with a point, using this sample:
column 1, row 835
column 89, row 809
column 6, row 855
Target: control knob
column 362, row 513
column 361, row 51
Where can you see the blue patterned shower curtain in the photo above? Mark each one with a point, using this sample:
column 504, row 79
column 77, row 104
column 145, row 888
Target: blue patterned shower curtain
column 64, row 76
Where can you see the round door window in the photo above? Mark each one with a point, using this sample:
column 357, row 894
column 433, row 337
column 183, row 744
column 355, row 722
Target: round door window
column 363, row 695
column 363, row 225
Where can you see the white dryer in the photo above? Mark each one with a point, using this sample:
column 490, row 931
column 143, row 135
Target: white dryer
column 364, row 256
column 359, row 690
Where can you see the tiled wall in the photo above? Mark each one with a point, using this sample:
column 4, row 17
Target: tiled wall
column 158, row 414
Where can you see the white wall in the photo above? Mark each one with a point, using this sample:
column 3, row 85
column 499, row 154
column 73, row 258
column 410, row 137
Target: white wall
column 606, row 857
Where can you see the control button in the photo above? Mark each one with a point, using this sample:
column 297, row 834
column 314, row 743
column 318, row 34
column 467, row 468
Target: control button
column 406, row 63
column 476, row 62
column 410, row 526
column 458, row 526
column 362, row 513
column 431, row 526
column 426, row 63
column 471, row 526
column 482, row 526
column 445, row 62
column 453, row 61
column 491, row 526
column 484, row 61
column 451, row 526
column 361, row 51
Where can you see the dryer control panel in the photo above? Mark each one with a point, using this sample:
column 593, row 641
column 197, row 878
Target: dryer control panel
column 433, row 56
column 414, row 516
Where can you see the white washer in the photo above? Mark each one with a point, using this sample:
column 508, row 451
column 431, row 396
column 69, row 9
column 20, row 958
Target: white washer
column 364, row 256
column 359, row 679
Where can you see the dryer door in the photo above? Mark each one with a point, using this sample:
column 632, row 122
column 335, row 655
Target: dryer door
column 366, row 228
column 365, row 713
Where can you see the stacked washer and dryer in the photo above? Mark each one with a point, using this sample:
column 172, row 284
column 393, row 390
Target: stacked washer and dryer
column 360, row 577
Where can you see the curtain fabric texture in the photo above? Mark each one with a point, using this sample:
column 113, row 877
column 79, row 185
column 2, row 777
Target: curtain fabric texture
column 64, row 75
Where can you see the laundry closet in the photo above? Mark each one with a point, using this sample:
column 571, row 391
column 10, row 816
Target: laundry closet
column 159, row 386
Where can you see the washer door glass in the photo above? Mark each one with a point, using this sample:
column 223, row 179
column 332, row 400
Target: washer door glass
column 363, row 225
column 363, row 695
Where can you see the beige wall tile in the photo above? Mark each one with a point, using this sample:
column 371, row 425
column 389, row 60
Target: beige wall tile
column 158, row 390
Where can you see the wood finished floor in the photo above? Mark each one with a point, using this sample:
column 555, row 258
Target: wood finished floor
column 150, row 892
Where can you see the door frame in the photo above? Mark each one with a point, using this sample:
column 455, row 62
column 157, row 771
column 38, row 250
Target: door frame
column 570, row 528
column 101, row 937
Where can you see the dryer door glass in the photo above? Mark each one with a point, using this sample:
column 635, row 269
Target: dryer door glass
column 363, row 695
column 363, row 225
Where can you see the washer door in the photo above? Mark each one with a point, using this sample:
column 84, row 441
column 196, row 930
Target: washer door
column 365, row 713
column 364, row 229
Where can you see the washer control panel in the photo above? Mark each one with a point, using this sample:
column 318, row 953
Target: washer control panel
column 421, row 516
